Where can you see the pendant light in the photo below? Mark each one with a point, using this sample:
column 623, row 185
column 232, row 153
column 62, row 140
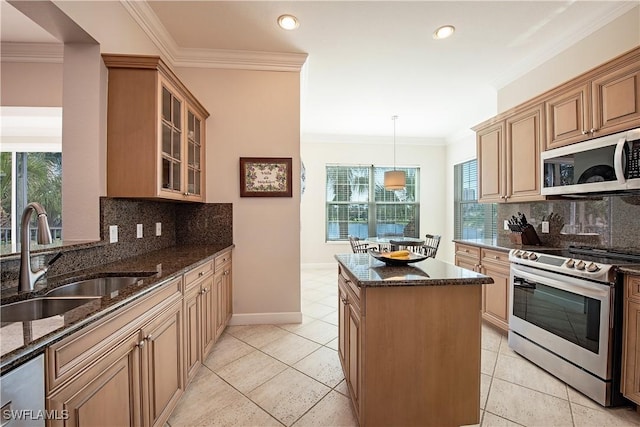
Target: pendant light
column 394, row 180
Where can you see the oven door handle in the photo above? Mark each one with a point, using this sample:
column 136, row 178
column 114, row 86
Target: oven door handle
column 520, row 283
column 569, row 284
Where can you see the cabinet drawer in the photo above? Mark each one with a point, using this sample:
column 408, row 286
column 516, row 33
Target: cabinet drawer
column 222, row 260
column 468, row 251
column 633, row 287
column 494, row 256
column 192, row 276
column 66, row 358
column 355, row 290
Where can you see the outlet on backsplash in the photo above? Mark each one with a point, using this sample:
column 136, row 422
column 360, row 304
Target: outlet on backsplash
column 113, row 234
column 139, row 231
column 158, row 229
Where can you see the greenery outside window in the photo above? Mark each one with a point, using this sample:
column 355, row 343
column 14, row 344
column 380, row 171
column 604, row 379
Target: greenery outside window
column 358, row 205
column 27, row 177
column 472, row 220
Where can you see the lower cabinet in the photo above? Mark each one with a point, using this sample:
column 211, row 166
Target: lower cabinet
column 223, row 292
column 199, row 312
column 493, row 263
column 349, row 339
column 136, row 381
column 131, row 367
column 630, row 383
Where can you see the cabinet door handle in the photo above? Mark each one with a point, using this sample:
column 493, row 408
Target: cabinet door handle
column 140, row 344
column 584, row 132
column 496, row 257
column 201, row 274
column 149, row 337
column 593, row 130
column 344, row 301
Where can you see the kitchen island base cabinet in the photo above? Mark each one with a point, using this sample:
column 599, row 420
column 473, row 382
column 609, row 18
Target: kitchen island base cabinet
column 411, row 354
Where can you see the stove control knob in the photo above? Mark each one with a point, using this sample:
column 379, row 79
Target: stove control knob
column 533, row 256
column 592, row 268
column 570, row 263
column 525, row 255
column 518, row 254
column 580, row 265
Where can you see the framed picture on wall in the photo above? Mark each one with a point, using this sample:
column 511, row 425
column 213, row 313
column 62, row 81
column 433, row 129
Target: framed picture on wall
column 265, row 177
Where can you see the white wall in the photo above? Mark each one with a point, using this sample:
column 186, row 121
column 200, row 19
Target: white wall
column 255, row 114
column 318, row 153
column 615, row 38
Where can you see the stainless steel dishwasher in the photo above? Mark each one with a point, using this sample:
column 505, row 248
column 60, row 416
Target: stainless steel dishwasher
column 22, row 395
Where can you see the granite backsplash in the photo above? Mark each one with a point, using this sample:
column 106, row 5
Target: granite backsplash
column 182, row 224
column 609, row 221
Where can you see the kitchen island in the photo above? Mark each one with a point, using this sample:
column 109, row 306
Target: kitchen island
column 409, row 341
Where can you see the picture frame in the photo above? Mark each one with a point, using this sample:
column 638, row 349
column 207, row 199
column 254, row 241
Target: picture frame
column 265, row 177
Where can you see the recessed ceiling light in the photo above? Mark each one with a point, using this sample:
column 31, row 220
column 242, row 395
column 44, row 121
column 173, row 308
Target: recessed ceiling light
column 288, row 22
column 444, row 32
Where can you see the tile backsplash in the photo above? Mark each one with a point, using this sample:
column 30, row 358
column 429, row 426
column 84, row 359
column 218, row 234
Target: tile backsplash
column 611, row 221
column 181, row 223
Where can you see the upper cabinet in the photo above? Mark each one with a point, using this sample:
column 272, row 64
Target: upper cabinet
column 156, row 132
column 604, row 101
column 509, row 158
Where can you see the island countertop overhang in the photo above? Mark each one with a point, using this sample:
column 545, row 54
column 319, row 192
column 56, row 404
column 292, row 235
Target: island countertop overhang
column 366, row 271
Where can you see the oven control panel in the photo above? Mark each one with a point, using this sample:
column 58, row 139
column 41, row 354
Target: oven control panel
column 570, row 266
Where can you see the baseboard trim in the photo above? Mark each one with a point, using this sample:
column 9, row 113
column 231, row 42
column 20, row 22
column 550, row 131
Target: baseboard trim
column 266, row 318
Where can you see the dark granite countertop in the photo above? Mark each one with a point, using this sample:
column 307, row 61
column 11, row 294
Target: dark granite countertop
column 367, row 271
column 500, row 244
column 630, row 269
column 20, row 341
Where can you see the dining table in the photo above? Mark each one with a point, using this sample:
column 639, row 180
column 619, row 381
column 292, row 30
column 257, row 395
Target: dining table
column 384, row 242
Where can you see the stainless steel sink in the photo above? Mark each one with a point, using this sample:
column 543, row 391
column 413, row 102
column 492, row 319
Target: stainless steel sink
column 39, row 308
column 100, row 286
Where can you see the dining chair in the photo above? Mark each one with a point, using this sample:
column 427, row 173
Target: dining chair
column 413, row 246
column 431, row 244
column 358, row 246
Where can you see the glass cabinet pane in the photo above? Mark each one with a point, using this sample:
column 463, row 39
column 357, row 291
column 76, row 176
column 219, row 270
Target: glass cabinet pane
column 177, row 146
column 176, row 176
column 166, row 139
column 197, row 131
column 166, row 104
column 177, row 113
column 166, row 173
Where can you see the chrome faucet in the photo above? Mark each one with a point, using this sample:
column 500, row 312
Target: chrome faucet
column 28, row 277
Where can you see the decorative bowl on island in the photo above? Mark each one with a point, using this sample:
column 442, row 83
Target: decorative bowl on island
column 384, row 257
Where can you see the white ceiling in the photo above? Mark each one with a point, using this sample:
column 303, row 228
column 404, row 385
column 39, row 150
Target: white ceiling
column 369, row 60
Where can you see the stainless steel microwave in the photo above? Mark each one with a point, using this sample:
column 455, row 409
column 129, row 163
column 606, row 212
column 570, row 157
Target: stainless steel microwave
column 602, row 165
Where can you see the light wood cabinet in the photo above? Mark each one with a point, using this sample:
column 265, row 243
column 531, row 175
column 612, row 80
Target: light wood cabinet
column 606, row 101
column 492, row 166
column 630, row 384
column 200, row 312
column 400, row 366
column 223, row 292
column 126, row 369
column 155, row 132
column 493, row 263
column 349, row 339
column 509, row 158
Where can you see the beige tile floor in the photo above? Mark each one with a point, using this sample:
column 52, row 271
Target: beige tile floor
column 275, row 375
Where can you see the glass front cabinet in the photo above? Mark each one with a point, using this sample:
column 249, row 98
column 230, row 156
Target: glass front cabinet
column 155, row 132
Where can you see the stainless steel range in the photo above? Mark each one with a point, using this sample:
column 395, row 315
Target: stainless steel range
column 566, row 315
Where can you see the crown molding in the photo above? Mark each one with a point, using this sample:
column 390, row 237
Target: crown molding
column 316, row 138
column 146, row 18
column 32, row 52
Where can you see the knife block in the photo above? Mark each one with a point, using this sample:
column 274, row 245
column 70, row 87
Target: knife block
column 527, row 237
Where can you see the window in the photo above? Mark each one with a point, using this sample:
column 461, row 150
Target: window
column 472, row 220
column 358, row 205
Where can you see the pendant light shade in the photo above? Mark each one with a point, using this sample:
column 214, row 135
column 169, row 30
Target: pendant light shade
column 394, row 180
